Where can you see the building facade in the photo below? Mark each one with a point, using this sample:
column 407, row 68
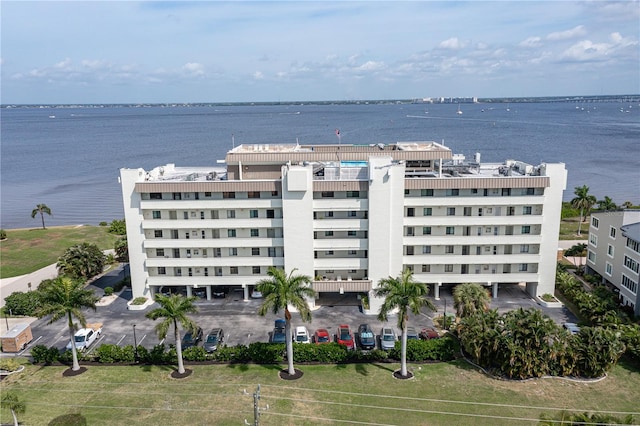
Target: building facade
column 613, row 252
column 346, row 215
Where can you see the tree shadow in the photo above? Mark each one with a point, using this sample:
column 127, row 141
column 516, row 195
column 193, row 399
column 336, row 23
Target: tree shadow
column 382, row 367
column 362, row 369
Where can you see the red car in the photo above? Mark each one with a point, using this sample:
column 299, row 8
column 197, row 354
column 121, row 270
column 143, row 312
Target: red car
column 429, row 333
column 344, row 336
column 321, row 336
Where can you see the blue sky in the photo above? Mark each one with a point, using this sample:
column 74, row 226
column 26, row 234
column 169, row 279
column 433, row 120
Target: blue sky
column 214, row 51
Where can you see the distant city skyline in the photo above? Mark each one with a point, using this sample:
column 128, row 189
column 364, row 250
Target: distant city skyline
column 68, row 52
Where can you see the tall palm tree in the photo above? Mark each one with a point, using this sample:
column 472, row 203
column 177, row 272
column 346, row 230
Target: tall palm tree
column 583, row 201
column 41, row 209
column 281, row 290
column 607, row 204
column 405, row 295
column 173, row 310
column 65, row 297
column 11, row 402
column 469, row 298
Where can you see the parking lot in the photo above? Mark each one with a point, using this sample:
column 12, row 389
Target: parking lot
column 242, row 325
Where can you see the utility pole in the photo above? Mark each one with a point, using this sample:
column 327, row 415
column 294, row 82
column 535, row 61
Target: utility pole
column 256, row 409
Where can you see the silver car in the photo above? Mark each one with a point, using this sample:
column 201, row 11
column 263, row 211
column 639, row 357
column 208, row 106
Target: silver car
column 213, row 340
column 387, row 338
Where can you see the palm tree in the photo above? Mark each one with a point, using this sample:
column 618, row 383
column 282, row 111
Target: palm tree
column 11, row 402
column 606, row 204
column 281, row 290
column 469, row 298
column 583, row 201
column 84, row 260
column 627, row 205
column 174, row 309
column 405, row 295
column 41, row 209
column 66, row 297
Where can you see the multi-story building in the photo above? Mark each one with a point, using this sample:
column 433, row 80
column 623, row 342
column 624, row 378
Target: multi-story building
column 613, row 252
column 346, row 215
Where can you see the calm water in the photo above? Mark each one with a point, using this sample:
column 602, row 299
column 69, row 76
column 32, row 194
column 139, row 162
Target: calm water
column 71, row 162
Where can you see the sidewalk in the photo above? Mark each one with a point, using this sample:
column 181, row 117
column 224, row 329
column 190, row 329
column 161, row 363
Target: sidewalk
column 21, row 283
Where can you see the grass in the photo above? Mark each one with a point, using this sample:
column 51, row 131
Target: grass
column 27, row 250
column 569, row 229
column 440, row 394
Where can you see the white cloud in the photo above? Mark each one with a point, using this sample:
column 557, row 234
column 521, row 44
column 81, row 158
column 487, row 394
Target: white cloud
column 194, row 68
column 452, row 43
column 530, row 42
column 258, row 75
column 568, row 34
column 371, row 66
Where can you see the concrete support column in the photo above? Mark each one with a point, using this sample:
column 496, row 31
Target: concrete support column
column 436, row 290
column 495, row 289
column 208, row 289
column 246, row 292
column 189, row 291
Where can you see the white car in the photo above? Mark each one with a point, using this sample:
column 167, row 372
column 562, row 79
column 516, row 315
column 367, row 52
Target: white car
column 572, row 327
column 255, row 294
column 302, row 335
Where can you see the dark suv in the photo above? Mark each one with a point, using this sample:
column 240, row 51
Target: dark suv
column 192, row 339
column 366, row 337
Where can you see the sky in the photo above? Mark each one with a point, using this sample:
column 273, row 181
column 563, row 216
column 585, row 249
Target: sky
column 74, row 52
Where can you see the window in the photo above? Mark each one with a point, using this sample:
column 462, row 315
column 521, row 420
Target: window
column 629, row 284
column 187, row 235
column 411, row 212
column 526, row 229
column 206, row 272
column 255, row 251
column 591, row 256
column 410, row 231
column 353, row 213
column 177, row 196
column 155, row 196
column 608, row 268
column 271, row 214
column 467, row 211
column 231, row 214
column 202, row 234
column 352, row 252
column 406, row 192
column 524, row 248
column 253, row 194
column 218, row 272
column 451, row 211
column 326, row 194
column 233, row 251
column 207, row 194
column 451, row 230
column 177, row 272
column 426, row 230
column 409, row 250
column 157, row 233
column 253, row 214
column 214, row 214
column 228, row 195
column 351, row 233
column 201, row 215
column 271, row 233
column 328, row 214
column 328, row 233
column 448, row 268
column 631, row 264
column 274, row 193
column 530, row 191
column 271, row 251
column 162, row 270
column 524, row 267
column 595, row 222
column 160, row 252
column 255, row 232
column 612, row 232
column 633, row 245
column 426, row 249
column 217, row 252
column 190, row 272
column 593, row 239
column 453, row 192
column 511, row 211
column 426, row 192
column 328, row 253
column 233, row 270
column 426, row 268
column 448, row 249
column 526, row 210
column 156, row 214
column 609, row 250
column 506, row 192
column 353, row 194
column 231, row 233
column 427, row 211
column 255, row 270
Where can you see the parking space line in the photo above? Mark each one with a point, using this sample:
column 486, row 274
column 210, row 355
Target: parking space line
column 95, row 344
column 161, row 342
column 31, row 344
column 140, row 342
column 121, row 339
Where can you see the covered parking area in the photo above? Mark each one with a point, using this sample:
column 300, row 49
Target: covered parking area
column 340, row 292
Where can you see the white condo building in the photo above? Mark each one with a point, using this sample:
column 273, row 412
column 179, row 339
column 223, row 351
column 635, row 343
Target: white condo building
column 345, row 215
column 613, row 252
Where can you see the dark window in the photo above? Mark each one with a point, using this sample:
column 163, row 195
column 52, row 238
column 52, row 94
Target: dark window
column 253, row 194
column 271, row 214
column 228, row 195
column 155, row 196
column 157, row 233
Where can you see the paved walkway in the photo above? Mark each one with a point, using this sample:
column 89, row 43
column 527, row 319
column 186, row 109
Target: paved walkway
column 22, row 283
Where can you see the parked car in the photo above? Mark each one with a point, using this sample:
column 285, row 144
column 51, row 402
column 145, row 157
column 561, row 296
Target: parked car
column 192, row 339
column 572, row 327
column 255, row 294
column 412, row 334
column 366, row 337
column 428, row 333
column 218, row 292
column 278, row 335
column 213, row 340
column 344, row 336
column 321, row 336
column 302, row 335
column 387, row 338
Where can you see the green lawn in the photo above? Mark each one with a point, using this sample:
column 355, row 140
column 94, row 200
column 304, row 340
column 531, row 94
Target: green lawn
column 440, row 394
column 27, row 250
column 569, row 229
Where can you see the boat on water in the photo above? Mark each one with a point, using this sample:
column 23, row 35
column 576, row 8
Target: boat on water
column 459, row 112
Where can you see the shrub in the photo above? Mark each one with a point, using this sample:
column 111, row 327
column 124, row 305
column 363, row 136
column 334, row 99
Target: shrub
column 66, row 357
column 19, row 303
column 118, row 227
column 266, row 353
column 548, row 298
column 195, row 353
column 139, row 300
column 103, row 223
column 238, row 353
column 9, row 364
column 108, row 291
column 108, row 353
column 442, row 349
column 3, row 234
column 43, row 355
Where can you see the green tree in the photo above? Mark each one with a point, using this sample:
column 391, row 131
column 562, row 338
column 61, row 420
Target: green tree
column 583, row 201
column 11, row 402
column 607, row 204
column 577, row 251
column 121, row 248
column 479, row 336
column 41, row 209
column 469, row 298
column 118, row 227
column 627, row 205
column 83, row 260
column 405, row 295
column 65, row 297
column 598, row 350
column 174, row 310
column 281, row 290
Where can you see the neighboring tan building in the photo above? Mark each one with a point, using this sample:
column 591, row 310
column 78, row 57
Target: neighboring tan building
column 346, row 215
column 614, row 252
